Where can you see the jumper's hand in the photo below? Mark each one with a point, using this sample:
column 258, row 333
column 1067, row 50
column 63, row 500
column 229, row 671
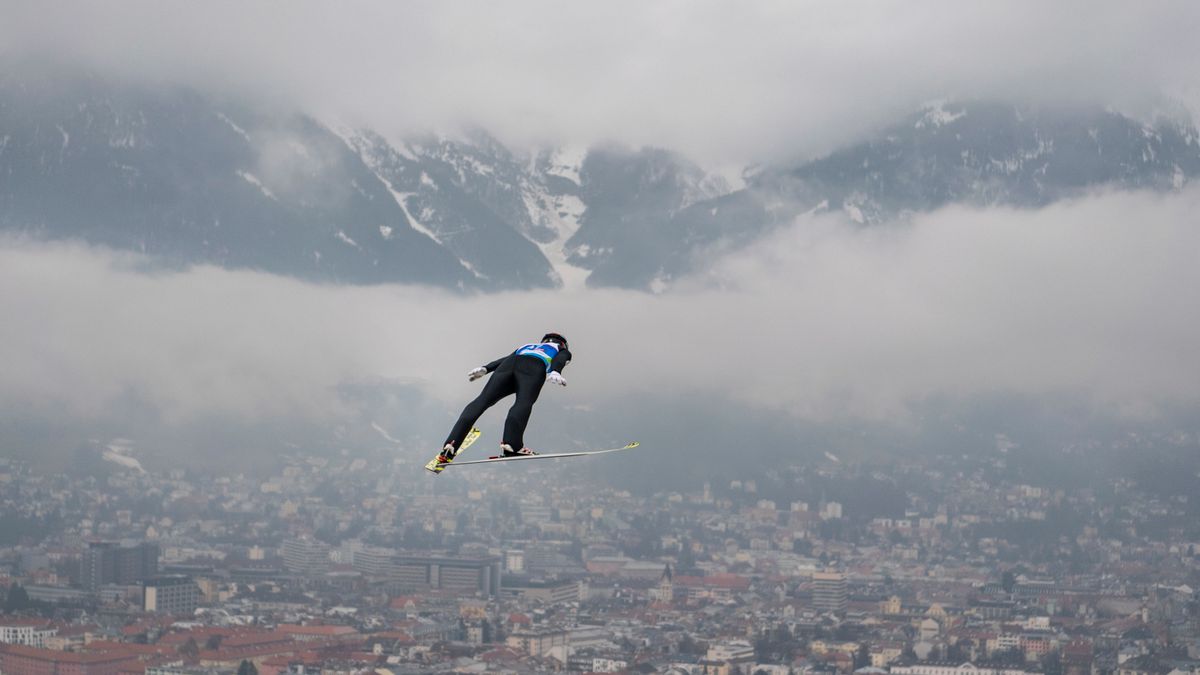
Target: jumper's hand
column 555, row 377
column 476, row 373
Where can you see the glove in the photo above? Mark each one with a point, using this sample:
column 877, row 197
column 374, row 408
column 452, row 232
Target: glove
column 476, row 373
column 555, row 377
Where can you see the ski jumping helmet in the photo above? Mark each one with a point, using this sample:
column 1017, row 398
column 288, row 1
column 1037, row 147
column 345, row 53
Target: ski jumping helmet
column 555, row 337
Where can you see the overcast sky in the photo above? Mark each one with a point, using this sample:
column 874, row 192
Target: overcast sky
column 726, row 82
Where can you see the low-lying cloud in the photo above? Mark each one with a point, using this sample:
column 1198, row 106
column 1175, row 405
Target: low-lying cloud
column 1090, row 300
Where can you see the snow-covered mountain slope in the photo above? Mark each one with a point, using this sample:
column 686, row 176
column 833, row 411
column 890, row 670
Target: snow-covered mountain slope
column 438, row 185
column 185, row 178
column 503, row 215
column 627, row 234
column 981, row 153
column 191, row 179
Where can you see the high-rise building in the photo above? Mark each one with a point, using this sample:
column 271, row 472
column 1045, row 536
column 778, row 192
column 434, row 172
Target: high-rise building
column 474, row 574
column 174, row 594
column 306, row 556
column 375, row 562
column 829, row 592
column 464, row 573
column 543, row 591
column 109, row 562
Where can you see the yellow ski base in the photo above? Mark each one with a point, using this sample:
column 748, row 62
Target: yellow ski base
column 435, row 467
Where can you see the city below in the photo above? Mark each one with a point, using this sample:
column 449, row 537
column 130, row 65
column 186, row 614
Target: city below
column 947, row 566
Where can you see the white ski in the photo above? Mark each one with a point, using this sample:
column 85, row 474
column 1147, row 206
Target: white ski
column 584, row 453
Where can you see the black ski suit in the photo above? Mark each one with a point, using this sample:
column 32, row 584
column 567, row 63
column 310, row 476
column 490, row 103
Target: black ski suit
column 521, row 375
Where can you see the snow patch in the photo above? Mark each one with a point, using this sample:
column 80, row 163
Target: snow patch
column 118, row 452
column 561, row 214
column 854, row 213
column 253, row 180
column 819, row 208
column 405, row 151
column 383, row 432
column 126, row 141
column 346, row 238
column 936, row 115
column 401, row 199
column 232, row 125
column 565, row 162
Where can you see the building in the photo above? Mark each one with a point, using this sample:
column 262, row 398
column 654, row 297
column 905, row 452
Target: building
column 892, row 606
column 548, row 592
column 945, row 668
column 727, row 658
column 831, row 511
column 375, row 562
column 57, row 593
column 463, row 573
column 306, row 556
column 514, row 561
column 538, row 642
column 829, row 592
column 109, row 562
column 22, row 660
column 28, row 632
column 175, row 594
column 665, row 590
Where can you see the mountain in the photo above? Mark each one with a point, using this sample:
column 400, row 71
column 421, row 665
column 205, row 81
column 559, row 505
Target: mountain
column 174, row 174
column 628, row 235
column 475, row 198
column 546, row 216
column 189, row 178
column 980, row 153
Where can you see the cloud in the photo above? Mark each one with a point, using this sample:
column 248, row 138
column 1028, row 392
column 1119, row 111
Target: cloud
column 1085, row 301
column 726, row 82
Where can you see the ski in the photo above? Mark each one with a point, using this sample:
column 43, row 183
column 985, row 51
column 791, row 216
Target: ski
column 556, row 455
column 436, row 467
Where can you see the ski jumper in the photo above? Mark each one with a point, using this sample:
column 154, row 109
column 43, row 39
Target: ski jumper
column 522, row 373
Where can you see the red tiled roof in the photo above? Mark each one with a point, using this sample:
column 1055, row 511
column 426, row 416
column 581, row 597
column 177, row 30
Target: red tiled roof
column 503, row 654
column 390, row 635
column 730, row 581
column 24, row 621
column 56, row 656
column 131, row 647
column 327, row 630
